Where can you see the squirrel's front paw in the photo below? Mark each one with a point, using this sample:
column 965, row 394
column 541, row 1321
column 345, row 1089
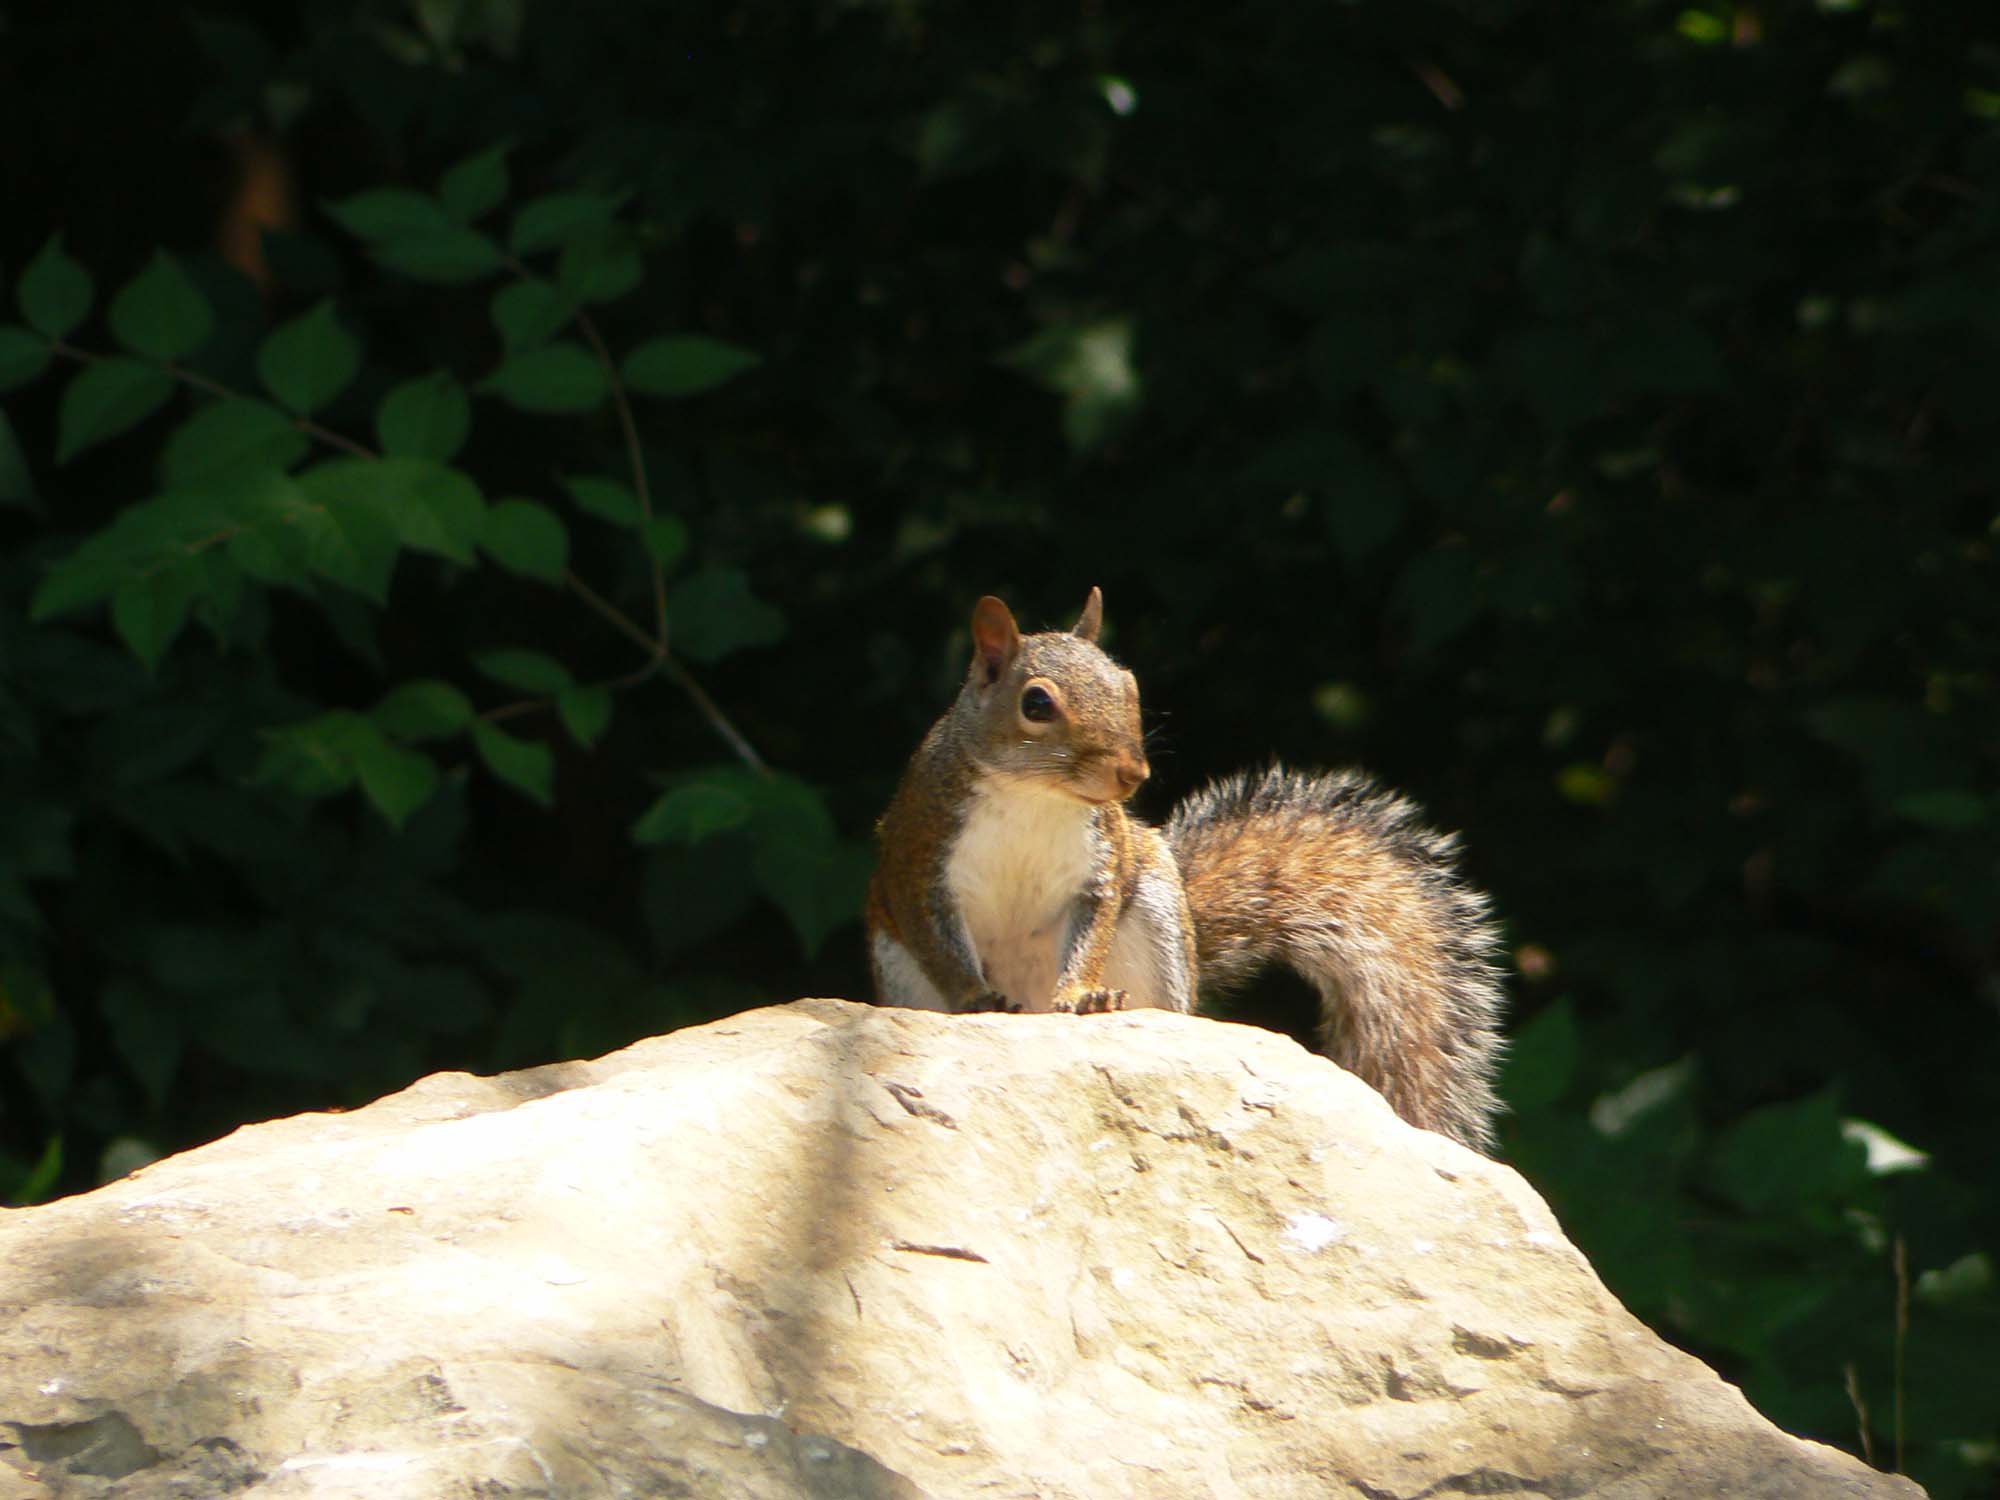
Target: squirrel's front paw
column 988, row 1000
column 1092, row 1002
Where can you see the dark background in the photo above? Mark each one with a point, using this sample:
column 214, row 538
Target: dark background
column 1586, row 417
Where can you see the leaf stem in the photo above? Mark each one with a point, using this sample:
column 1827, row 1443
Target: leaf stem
column 200, row 382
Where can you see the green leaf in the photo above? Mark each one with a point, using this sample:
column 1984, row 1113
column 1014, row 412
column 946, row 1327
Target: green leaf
column 530, row 671
column 544, row 223
column 521, row 763
column 529, row 313
column 146, row 1035
column 424, row 418
column 685, row 365
column 157, row 533
column 713, row 802
column 527, row 538
column 601, row 266
column 17, row 484
column 606, row 499
column 384, row 214
column 426, row 709
column 585, row 712
column 78, row 580
column 23, row 356
column 316, row 757
column 819, row 888
column 1440, row 595
column 348, row 538
column 429, row 506
column 560, row 377
column 477, row 185
column 160, row 313
column 148, row 611
column 396, row 779
column 228, row 436
column 1789, row 1154
column 666, row 540
column 105, row 398
column 55, row 292
column 435, row 509
column 446, row 257
column 714, row 613
column 1944, row 808
column 1541, row 1059
column 309, row 361
column 815, row 877
column 1088, row 364
column 40, row 1180
column 277, row 519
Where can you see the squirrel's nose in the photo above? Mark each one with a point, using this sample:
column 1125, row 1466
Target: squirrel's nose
column 1131, row 771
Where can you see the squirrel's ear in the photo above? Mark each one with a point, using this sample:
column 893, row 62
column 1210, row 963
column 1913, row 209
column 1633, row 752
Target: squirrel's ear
column 995, row 638
column 1092, row 619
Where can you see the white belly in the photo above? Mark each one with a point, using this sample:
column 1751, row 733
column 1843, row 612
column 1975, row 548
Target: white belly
column 1016, row 874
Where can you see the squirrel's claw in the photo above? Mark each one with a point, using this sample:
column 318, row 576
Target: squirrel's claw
column 1093, row 1002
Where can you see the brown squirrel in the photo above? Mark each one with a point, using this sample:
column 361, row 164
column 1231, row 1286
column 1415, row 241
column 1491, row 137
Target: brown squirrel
column 1011, row 877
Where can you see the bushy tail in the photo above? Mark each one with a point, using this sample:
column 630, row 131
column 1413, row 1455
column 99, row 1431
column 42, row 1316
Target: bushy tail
column 1344, row 883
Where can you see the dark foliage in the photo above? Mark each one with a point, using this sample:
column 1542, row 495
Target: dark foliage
column 1581, row 416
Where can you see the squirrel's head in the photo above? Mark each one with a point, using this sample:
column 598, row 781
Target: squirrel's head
column 1052, row 708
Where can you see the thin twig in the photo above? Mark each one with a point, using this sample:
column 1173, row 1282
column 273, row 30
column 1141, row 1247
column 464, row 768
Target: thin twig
column 618, row 619
column 718, row 721
column 1852, row 1380
column 1902, row 1336
column 635, row 456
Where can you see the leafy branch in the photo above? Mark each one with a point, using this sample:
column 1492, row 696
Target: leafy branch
column 232, row 512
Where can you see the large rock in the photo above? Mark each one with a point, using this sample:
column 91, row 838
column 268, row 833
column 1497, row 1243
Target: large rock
column 825, row 1250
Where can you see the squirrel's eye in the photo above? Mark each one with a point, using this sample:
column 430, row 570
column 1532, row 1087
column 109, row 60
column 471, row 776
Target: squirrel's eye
column 1037, row 707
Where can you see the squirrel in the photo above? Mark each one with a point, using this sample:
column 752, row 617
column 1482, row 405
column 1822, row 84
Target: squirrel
column 1011, row 877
